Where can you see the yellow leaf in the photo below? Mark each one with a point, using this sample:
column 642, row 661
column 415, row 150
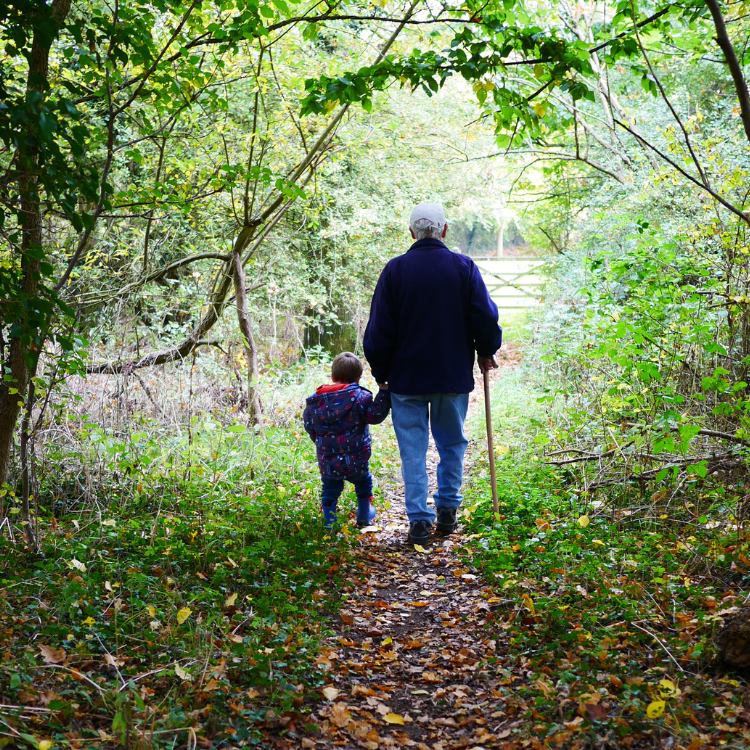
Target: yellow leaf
column 331, row 693
column 529, row 603
column 667, row 689
column 599, row 542
column 151, row 611
column 88, row 621
column 420, row 548
column 387, row 641
column 655, row 709
column 230, row 600
column 583, row 521
column 181, row 673
column 45, row 744
column 540, row 109
column 183, row 614
column 394, row 719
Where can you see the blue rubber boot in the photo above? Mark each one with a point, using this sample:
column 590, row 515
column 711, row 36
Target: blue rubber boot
column 330, row 517
column 365, row 511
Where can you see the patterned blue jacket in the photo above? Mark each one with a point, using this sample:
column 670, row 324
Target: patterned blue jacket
column 337, row 419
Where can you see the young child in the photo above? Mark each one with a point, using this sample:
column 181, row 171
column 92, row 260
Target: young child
column 336, row 418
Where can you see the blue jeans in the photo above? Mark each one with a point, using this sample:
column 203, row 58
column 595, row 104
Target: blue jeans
column 332, row 489
column 413, row 416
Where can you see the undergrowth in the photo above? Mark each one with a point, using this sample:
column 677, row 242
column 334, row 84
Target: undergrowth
column 179, row 593
column 608, row 603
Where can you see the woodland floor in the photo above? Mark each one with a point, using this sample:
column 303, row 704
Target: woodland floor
column 408, row 659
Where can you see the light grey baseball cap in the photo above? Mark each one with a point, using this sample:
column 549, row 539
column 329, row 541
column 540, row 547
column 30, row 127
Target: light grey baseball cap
column 427, row 215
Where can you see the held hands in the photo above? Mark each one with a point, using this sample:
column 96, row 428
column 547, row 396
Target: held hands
column 487, row 363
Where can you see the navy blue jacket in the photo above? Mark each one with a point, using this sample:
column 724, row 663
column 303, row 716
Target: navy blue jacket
column 430, row 312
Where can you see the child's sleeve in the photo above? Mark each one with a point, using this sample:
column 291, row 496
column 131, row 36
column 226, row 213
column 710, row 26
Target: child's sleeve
column 376, row 409
column 307, row 421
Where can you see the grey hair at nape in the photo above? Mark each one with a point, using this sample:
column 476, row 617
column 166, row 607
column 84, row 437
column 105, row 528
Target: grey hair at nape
column 424, row 228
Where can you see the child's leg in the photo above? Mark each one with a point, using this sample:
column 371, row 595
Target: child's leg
column 329, row 497
column 365, row 507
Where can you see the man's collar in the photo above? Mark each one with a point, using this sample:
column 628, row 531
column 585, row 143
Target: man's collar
column 428, row 243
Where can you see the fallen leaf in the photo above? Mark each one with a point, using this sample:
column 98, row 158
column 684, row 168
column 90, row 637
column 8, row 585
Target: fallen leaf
column 230, row 600
column 529, row 603
column 112, row 662
column 45, row 744
column 421, row 549
column 596, row 712
column 331, row 693
column 52, row 655
column 183, row 614
column 252, row 693
column 181, row 673
column 394, row 718
column 362, row 690
column 212, row 685
column 667, row 689
column 545, row 687
column 339, row 715
column 583, row 521
column 655, row 709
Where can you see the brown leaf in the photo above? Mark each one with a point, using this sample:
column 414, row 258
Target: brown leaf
column 596, row 712
column 52, row 655
column 46, row 697
column 362, row 690
column 431, row 677
column 211, row 686
column 339, row 714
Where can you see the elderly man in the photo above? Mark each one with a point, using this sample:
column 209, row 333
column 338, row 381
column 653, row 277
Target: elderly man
column 429, row 314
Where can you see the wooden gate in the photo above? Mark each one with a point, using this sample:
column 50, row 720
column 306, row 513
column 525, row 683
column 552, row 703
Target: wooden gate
column 513, row 283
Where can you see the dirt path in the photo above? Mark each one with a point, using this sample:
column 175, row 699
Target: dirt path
column 409, row 662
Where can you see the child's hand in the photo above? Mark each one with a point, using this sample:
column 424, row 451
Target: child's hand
column 383, row 386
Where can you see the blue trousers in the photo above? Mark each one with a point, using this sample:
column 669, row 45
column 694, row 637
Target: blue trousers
column 332, row 489
column 413, row 416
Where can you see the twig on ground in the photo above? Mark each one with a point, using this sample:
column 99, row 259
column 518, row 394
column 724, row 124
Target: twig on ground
column 662, row 644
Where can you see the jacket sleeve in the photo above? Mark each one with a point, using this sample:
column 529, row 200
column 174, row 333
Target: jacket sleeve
column 376, row 409
column 307, row 421
column 486, row 331
column 380, row 335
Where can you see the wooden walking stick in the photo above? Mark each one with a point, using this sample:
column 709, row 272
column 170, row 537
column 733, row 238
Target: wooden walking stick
column 490, row 444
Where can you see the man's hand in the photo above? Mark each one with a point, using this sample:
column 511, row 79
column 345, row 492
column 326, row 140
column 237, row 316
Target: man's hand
column 383, row 386
column 487, row 363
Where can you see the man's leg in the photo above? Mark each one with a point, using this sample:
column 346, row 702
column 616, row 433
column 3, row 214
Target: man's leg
column 410, row 423
column 447, row 415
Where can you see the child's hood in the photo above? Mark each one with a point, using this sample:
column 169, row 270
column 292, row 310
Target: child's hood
column 332, row 405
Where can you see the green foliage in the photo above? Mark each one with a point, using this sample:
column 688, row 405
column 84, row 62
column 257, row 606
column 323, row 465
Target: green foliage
column 187, row 592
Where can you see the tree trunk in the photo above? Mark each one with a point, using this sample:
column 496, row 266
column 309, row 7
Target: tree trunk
column 248, row 340
column 30, row 219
